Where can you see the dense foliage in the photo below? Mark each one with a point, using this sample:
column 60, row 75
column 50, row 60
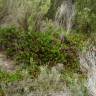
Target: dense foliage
column 31, row 37
column 44, row 48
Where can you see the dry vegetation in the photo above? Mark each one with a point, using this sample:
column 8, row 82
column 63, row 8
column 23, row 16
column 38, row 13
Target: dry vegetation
column 47, row 48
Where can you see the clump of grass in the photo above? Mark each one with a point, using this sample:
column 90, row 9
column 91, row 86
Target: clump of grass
column 9, row 77
column 49, row 82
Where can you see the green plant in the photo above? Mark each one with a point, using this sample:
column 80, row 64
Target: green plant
column 10, row 77
column 45, row 48
column 8, row 37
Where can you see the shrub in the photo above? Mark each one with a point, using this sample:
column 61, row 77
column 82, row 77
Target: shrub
column 44, row 48
column 8, row 37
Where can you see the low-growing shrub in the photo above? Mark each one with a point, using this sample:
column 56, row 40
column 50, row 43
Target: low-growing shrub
column 8, row 37
column 44, row 47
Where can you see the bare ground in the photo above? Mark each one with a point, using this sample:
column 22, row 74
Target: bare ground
column 6, row 64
